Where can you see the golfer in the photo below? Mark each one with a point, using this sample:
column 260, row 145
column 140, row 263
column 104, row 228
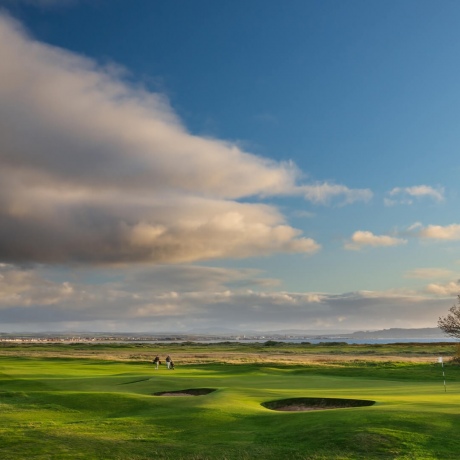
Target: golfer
column 168, row 361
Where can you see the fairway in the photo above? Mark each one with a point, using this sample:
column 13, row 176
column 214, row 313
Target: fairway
column 82, row 408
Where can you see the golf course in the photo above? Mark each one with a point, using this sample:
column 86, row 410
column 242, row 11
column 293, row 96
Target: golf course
column 229, row 401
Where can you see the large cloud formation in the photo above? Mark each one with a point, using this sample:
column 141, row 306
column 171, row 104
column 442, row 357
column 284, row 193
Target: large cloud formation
column 178, row 298
column 95, row 170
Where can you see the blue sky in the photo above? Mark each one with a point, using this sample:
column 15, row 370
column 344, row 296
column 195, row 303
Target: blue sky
column 252, row 165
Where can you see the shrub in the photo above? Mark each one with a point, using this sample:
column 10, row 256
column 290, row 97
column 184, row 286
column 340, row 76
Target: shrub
column 456, row 357
column 272, row 343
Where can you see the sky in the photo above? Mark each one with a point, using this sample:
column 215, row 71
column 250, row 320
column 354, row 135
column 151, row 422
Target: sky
column 178, row 166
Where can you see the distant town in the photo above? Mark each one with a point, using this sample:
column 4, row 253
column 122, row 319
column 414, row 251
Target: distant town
column 81, row 338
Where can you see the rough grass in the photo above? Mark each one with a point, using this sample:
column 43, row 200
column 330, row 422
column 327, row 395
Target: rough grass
column 235, row 352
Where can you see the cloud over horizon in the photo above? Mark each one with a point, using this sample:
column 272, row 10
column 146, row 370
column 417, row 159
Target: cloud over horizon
column 180, row 298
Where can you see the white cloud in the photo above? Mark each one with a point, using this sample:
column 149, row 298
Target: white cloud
column 414, row 226
column 93, row 170
column 417, row 230
column 444, row 290
column 361, row 239
column 405, row 195
column 438, row 232
column 323, row 193
column 428, row 273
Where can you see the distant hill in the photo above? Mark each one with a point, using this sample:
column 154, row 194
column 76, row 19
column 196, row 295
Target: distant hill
column 399, row 333
column 393, row 333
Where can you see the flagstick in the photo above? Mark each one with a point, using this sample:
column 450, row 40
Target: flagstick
column 443, row 375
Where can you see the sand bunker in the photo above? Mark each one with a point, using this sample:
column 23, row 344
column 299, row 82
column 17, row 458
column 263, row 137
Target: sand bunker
column 308, row 404
column 189, row 392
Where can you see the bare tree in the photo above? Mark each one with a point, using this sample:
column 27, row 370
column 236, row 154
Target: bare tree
column 450, row 324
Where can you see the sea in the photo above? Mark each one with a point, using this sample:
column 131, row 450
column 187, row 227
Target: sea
column 321, row 340
column 373, row 341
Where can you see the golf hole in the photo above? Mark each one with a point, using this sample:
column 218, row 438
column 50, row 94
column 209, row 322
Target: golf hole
column 309, row 404
column 189, row 392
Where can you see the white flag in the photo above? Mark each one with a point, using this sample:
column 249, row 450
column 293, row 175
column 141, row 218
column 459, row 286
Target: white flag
column 440, row 359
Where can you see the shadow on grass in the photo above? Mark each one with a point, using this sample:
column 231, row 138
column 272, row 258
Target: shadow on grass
column 134, row 381
column 188, row 392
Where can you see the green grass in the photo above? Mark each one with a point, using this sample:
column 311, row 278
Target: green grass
column 73, row 408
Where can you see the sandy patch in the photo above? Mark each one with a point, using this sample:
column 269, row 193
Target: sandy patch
column 310, row 404
column 303, row 408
